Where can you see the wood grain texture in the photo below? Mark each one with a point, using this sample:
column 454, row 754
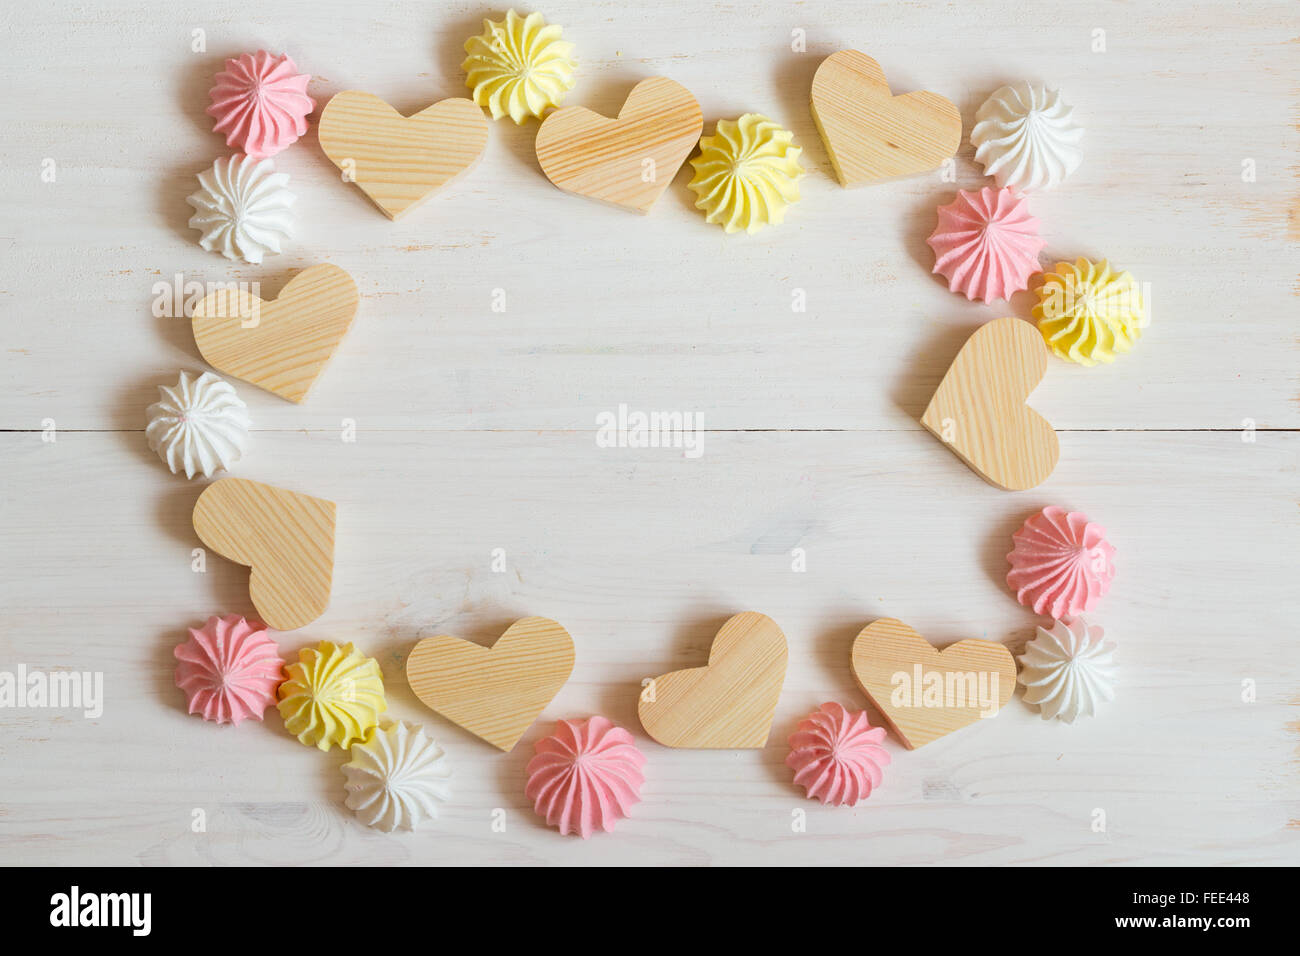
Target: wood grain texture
column 895, row 666
column 286, row 540
column 979, row 409
column 872, row 135
column 606, row 159
column 400, row 161
column 475, row 431
column 728, row 703
column 281, row 345
column 495, row 693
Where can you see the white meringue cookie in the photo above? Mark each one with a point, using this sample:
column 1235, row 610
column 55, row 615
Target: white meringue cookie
column 242, row 208
column 199, row 425
column 396, row 777
column 1025, row 138
column 1068, row 670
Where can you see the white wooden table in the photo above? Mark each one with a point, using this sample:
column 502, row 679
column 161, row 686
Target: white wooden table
column 474, row 430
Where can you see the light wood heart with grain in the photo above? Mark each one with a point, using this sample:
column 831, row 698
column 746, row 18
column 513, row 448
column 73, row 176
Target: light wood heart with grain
column 628, row 161
column 286, row 539
column 872, row 135
column 496, row 692
column 727, row 704
column 925, row 693
column 400, row 161
column 979, row 409
column 281, row 344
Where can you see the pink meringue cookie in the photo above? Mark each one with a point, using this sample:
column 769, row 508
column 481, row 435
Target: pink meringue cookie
column 260, row 102
column 229, row 669
column 836, row 755
column 1061, row 563
column 986, row 244
column 587, row 775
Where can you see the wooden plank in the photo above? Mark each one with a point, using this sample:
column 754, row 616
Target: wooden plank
column 643, row 556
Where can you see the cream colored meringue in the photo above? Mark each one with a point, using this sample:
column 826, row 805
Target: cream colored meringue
column 332, row 696
column 519, row 67
column 1025, row 138
column 396, row 777
column 199, row 425
column 1068, row 670
column 242, row 208
column 746, row 174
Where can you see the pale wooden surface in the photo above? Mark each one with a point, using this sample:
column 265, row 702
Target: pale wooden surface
column 495, row 693
column 728, row 701
column 889, row 647
column 474, row 431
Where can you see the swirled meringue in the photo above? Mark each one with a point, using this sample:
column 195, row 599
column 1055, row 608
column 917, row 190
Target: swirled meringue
column 519, row 67
column 198, row 424
column 1068, row 671
column 396, row 778
column 986, row 244
column 836, row 755
column 260, row 102
column 242, row 208
column 1061, row 563
column 586, row 776
column 1089, row 314
column 333, row 696
column 1025, row 138
column 229, row 669
column 747, row 173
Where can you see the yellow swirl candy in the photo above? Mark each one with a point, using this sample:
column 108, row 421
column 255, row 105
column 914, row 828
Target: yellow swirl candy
column 747, row 173
column 334, row 695
column 1087, row 313
column 519, row 66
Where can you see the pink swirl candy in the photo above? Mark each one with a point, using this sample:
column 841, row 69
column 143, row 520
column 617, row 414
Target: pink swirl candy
column 260, row 102
column 585, row 776
column 229, row 669
column 1061, row 563
column 836, row 755
column 986, row 244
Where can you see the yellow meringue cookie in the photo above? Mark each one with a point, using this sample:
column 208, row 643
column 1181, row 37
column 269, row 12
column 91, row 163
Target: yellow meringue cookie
column 747, row 173
column 518, row 66
column 1087, row 313
column 334, row 695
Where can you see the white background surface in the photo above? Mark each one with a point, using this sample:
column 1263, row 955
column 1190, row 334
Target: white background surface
column 475, row 431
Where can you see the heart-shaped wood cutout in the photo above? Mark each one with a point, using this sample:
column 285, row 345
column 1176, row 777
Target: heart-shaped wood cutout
column 286, row 539
column 727, row 704
column 925, row 693
column 495, row 693
column 281, row 344
column 979, row 409
column 871, row 134
column 400, row 161
column 628, row 161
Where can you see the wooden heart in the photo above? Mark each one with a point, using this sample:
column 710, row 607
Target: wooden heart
column 495, row 693
column 871, row 134
column 628, row 161
column 727, row 704
column 281, row 344
column 924, row 693
column 286, row 539
column 979, row 409
column 400, row 161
